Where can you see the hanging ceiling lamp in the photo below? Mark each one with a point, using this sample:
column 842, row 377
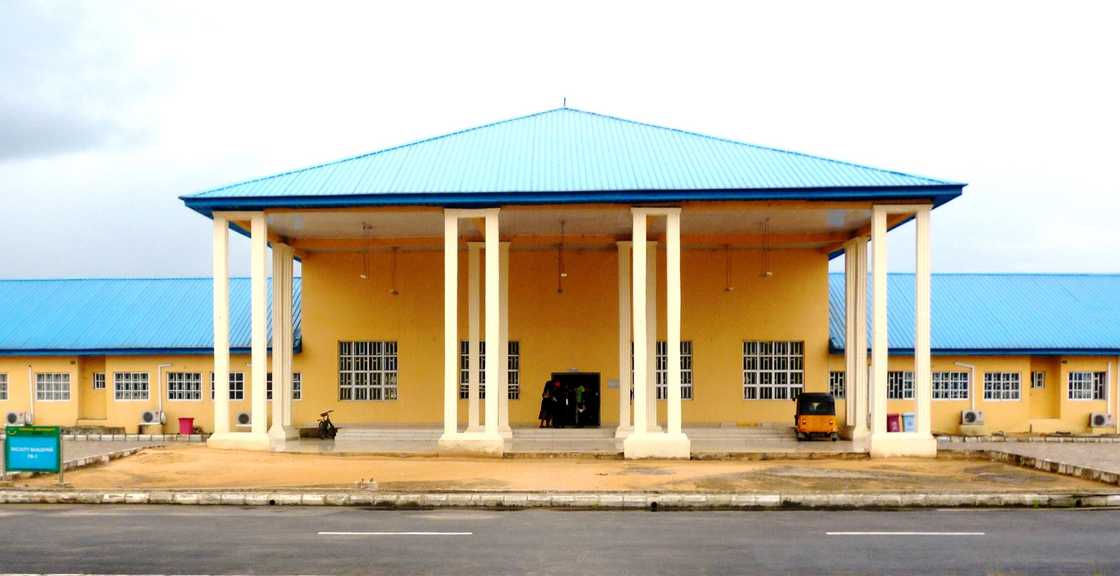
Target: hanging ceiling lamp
column 561, row 272
column 393, row 288
column 727, row 287
column 367, row 231
column 764, row 260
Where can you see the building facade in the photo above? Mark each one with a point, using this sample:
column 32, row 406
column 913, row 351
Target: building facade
column 555, row 239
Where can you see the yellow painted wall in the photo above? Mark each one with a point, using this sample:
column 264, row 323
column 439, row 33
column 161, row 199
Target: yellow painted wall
column 92, row 404
column 20, row 386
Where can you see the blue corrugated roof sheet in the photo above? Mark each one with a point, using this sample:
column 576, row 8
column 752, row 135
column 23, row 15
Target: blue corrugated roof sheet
column 122, row 316
column 568, row 155
column 994, row 313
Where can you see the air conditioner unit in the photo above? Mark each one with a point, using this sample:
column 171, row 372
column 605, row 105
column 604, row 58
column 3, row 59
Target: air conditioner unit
column 17, row 418
column 1100, row 420
column 151, row 417
column 972, row 417
column 244, row 419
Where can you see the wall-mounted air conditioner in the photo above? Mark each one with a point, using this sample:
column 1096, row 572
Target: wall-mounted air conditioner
column 972, row 417
column 1100, row 420
column 244, row 419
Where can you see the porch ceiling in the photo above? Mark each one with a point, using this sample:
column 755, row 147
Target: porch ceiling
column 803, row 225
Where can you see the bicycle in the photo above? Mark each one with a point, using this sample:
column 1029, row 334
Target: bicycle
column 327, row 429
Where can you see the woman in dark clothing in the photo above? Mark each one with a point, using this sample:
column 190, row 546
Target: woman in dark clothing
column 546, row 409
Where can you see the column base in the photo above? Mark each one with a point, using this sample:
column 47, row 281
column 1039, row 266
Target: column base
column 472, row 444
column 283, row 433
column 902, row 444
column 239, row 441
column 854, row 433
column 505, row 432
column 657, row 445
column 623, row 431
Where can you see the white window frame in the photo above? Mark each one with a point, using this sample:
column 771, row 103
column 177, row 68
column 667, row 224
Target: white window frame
column 950, row 383
column 184, row 386
column 837, row 384
column 661, row 370
column 1038, row 380
column 1005, row 392
column 367, row 370
column 900, row 385
column 98, row 382
column 52, row 386
column 3, row 385
column 297, row 386
column 137, row 386
column 773, row 369
column 513, row 369
column 1090, row 385
column 236, row 386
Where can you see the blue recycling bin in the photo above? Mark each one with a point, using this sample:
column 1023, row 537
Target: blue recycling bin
column 908, row 422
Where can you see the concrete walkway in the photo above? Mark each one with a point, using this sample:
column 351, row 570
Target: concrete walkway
column 73, row 451
column 1087, row 460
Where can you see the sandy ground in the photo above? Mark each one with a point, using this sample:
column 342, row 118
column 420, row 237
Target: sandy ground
column 198, row 467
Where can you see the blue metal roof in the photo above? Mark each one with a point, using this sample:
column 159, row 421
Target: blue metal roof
column 999, row 313
column 122, row 316
column 567, row 156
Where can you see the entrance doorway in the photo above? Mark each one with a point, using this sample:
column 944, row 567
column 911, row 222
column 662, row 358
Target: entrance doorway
column 572, row 415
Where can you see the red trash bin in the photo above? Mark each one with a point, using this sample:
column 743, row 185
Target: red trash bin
column 894, row 423
column 186, row 426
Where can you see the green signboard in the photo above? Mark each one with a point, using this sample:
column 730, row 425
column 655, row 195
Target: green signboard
column 33, row 449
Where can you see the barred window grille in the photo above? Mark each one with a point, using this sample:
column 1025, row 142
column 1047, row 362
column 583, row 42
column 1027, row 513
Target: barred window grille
column 367, row 370
column 1001, row 386
column 951, row 385
column 297, row 391
column 52, row 386
column 661, row 364
column 1038, row 380
column 236, row 385
column 3, row 386
column 836, row 380
column 184, row 386
column 513, row 369
column 98, row 380
column 130, row 386
column 1087, row 385
column 900, row 385
column 773, row 370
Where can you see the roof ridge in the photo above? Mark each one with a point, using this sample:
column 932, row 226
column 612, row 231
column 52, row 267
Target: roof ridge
column 373, row 153
column 933, row 181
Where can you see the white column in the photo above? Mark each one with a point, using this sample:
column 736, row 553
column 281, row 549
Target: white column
column 473, row 305
column 289, row 339
column 221, row 325
column 503, row 344
column 450, row 324
column 624, row 426
column 276, row 429
column 641, row 344
column 850, row 320
column 879, row 340
column 493, row 322
column 922, row 375
column 651, row 337
column 859, row 341
column 673, row 320
column 259, row 296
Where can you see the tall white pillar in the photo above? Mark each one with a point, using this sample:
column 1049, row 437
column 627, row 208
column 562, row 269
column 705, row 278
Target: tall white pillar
column 473, row 306
column 640, row 312
column 221, row 325
column 922, row 375
column 450, row 324
column 850, row 320
column 624, row 426
column 879, row 340
column 503, row 343
column 259, row 298
column 493, row 322
column 651, row 337
column 281, row 428
column 673, row 320
column 859, row 379
column 289, row 338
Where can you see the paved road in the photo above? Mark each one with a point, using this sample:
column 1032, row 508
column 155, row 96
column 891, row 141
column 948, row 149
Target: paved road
column 184, row 540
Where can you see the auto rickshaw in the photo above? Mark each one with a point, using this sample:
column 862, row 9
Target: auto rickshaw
column 816, row 416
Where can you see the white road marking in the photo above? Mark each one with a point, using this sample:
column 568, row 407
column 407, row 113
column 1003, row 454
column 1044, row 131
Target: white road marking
column 884, row 533
column 396, row 533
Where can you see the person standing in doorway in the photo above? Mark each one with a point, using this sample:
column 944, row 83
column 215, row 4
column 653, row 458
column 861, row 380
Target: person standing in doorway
column 545, row 415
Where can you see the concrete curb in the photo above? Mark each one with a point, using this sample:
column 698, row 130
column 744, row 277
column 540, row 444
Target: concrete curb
column 1034, row 439
column 79, row 463
column 131, row 437
column 1066, row 469
column 563, row 500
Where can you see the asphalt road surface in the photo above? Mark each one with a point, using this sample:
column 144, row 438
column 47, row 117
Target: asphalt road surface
column 227, row 540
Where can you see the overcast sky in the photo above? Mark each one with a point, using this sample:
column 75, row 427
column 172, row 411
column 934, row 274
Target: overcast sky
column 111, row 110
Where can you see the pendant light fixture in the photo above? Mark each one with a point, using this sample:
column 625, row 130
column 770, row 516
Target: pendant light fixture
column 561, row 272
column 367, row 231
column 727, row 287
column 393, row 274
column 764, row 260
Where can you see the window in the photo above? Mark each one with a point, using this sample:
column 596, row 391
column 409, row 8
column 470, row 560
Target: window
column 513, row 369
column 367, row 370
column 98, row 380
column 297, row 387
column 900, row 385
column 836, row 384
column 1038, row 380
column 130, row 385
column 773, row 370
column 52, row 386
column 950, row 385
column 1086, row 385
column 661, row 369
column 1001, row 385
column 236, row 385
column 184, row 386
column 3, row 386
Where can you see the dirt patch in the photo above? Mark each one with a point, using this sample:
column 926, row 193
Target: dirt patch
column 199, row 467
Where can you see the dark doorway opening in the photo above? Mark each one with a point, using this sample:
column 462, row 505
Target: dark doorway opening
column 577, row 408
